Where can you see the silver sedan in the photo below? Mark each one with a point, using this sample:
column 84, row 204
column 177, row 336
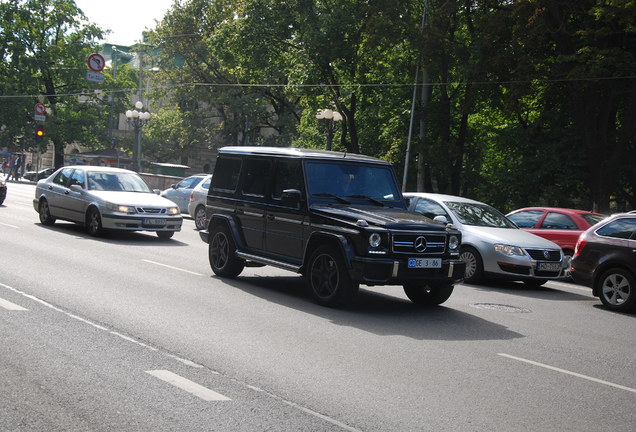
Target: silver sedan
column 104, row 198
column 492, row 246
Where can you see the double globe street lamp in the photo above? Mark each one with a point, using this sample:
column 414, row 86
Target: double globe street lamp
column 332, row 116
column 137, row 118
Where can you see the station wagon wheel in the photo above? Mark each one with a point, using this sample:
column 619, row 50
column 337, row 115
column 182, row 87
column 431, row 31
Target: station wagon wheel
column 328, row 278
column 45, row 213
column 428, row 295
column 94, row 222
column 222, row 253
column 199, row 217
column 474, row 272
column 617, row 290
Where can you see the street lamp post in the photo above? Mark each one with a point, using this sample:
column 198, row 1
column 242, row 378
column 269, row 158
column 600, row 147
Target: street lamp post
column 137, row 118
column 332, row 116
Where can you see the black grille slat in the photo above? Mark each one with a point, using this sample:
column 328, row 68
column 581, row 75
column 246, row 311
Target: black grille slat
column 150, row 210
column 405, row 243
column 538, row 254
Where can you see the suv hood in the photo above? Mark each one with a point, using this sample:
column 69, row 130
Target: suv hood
column 386, row 217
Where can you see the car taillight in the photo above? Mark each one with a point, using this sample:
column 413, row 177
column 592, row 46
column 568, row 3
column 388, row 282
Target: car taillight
column 580, row 244
column 191, row 195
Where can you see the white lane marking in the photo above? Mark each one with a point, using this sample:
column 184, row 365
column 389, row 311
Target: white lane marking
column 11, row 306
column 171, row 267
column 185, row 384
column 10, row 226
column 578, row 375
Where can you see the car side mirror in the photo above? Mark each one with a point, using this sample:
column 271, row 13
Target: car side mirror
column 173, row 186
column 293, row 196
column 158, row 191
column 441, row 218
column 77, row 188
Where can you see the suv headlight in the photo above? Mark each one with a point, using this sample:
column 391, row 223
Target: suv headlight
column 375, row 240
column 122, row 208
column 453, row 243
column 509, row 250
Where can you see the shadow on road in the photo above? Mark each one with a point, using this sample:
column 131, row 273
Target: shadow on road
column 523, row 290
column 376, row 312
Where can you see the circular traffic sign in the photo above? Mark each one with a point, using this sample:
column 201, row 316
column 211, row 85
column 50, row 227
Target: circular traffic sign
column 96, row 62
column 40, row 109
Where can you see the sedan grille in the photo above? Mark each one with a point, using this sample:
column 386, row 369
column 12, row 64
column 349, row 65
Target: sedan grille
column 419, row 243
column 544, row 254
column 150, row 210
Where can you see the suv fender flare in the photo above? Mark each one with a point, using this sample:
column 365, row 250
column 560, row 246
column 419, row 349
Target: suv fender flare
column 232, row 225
column 319, row 238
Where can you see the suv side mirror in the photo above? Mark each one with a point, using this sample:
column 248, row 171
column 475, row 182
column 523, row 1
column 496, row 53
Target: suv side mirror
column 293, row 196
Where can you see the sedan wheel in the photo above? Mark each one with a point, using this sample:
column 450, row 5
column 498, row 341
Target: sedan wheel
column 474, row 265
column 199, row 218
column 45, row 213
column 94, row 222
column 617, row 290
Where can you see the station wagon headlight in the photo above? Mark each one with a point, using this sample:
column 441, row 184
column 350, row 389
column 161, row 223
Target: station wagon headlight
column 122, row 208
column 509, row 250
column 173, row 211
column 453, row 243
column 375, row 240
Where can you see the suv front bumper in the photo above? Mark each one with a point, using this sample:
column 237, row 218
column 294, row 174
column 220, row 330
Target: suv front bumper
column 373, row 271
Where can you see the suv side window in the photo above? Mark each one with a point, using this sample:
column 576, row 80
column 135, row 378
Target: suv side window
column 226, row 175
column 256, row 176
column 288, row 176
column 620, row 228
column 62, row 177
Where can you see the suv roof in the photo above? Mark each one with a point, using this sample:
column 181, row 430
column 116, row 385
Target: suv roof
column 299, row 153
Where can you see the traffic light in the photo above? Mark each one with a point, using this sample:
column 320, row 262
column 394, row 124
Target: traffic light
column 39, row 133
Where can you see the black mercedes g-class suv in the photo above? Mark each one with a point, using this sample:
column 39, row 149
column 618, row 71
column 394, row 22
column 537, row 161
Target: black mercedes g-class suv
column 339, row 219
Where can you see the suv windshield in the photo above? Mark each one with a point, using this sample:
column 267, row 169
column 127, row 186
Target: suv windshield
column 344, row 180
column 479, row 215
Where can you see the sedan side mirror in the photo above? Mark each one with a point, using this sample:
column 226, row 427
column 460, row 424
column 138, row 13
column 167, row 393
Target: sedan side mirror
column 441, row 218
column 77, row 188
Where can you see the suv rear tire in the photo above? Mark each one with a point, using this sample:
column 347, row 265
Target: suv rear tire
column 616, row 290
column 222, row 253
column 328, row 278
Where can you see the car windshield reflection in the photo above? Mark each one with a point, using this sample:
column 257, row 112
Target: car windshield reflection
column 479, row 215
column 120, row 182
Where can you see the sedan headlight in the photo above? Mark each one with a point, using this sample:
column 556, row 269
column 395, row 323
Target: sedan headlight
column 173, row 211
column 122, row 208
column 509, row 250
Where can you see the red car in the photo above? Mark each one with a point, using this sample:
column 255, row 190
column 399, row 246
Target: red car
column 561, row 225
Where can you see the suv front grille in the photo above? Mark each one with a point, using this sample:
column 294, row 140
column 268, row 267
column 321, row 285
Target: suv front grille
column 544, row 254
column 420, row 243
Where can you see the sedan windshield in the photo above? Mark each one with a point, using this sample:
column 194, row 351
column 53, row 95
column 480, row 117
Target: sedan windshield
column 479, row 215
column 114, row 181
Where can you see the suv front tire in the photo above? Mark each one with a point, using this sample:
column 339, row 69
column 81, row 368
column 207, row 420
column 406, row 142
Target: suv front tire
column 222, row 253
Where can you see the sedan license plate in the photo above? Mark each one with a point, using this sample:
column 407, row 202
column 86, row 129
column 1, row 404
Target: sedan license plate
column 425, row 263
column 154, row 222
column 547, row 266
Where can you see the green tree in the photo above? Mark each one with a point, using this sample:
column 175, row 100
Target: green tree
column 45, row 44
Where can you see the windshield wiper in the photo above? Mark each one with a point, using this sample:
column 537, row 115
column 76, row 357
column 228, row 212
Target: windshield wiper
column 371, row 200
column 330, row 195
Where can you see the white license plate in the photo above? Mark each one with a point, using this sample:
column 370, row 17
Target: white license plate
column 154, row 222
column 553, row 267
column 425, row 262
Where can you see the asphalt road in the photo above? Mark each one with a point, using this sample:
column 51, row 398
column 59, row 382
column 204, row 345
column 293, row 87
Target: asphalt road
column 130, row 332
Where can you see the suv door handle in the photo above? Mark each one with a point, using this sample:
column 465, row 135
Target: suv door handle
column 271, row 217
column 239, row 211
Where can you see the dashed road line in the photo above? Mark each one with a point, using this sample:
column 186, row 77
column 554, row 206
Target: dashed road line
column 11, row 306
column 190, row 386
column 567, row 372
column 9, row 225
column 171, row 267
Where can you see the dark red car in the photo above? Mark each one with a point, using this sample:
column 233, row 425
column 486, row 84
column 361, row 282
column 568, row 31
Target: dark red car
column 605, row 260
column 563, row 226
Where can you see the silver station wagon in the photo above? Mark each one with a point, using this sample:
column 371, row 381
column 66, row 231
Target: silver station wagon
column 105, row 198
